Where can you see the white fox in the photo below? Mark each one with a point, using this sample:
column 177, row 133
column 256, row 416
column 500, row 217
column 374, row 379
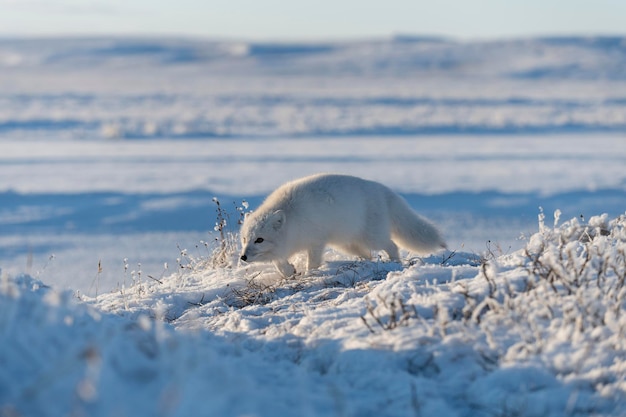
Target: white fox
column 352, row 214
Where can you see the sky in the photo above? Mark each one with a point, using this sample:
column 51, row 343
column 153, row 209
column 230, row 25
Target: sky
column 313, row 19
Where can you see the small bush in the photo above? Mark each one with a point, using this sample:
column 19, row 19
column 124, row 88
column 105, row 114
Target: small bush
column 227, row 239
column 388, row 314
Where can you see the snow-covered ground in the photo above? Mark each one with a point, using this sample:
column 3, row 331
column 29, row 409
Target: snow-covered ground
column 536, row 333
column 111, row 151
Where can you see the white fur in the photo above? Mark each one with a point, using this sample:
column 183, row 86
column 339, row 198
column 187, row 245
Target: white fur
column 354, row 215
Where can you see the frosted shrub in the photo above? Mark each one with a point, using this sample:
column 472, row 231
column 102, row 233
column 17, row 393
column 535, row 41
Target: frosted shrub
column 224, row 252
column 558, row 305
column 226, row 240
column 397, row 313
column 563, row 309
column 577, row 256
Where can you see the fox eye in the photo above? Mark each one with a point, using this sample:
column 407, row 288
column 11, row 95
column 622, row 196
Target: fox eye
column 259, row 240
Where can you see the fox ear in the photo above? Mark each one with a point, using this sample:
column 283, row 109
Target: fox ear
column 278, row 219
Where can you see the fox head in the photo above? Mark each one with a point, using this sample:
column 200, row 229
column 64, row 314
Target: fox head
column 261, row 236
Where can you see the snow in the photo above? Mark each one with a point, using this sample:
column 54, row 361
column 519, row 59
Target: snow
column 114, row 302
column 449, row 335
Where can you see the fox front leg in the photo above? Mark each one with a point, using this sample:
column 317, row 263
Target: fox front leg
column 285, row 268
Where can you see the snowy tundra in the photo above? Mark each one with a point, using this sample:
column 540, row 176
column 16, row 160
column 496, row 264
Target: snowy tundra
column 355, row 215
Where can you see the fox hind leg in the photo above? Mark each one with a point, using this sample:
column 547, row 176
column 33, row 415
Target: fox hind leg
column 314, row 257
column 392, row 251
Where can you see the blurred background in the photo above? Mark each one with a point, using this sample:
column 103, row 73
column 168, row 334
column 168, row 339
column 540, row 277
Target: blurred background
column 308, row 19
column 120, row 121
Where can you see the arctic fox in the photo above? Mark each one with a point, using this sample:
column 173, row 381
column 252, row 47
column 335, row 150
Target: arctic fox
column 349, row 213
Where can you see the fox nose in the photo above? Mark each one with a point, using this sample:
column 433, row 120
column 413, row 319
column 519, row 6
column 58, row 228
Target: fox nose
column 244, row 258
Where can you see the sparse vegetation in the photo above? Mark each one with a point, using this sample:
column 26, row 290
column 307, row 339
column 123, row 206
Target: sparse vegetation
column 227, row 239
column 254, row 292
column 398, row 313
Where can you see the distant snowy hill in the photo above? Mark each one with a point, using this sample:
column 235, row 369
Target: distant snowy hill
column 190, row 88
column 558, row 57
